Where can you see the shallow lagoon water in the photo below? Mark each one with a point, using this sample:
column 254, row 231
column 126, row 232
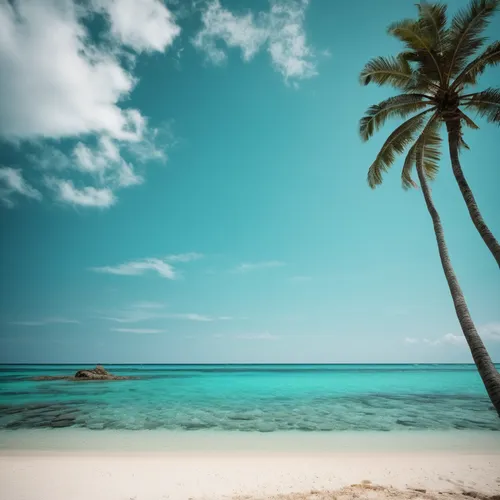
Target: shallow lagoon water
column 263, row 398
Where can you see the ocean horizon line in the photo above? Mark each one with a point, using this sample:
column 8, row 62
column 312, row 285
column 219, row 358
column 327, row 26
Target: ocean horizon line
column 93, row 363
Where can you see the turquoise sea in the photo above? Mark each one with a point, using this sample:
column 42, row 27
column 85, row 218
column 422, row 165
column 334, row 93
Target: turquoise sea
column 263, row 398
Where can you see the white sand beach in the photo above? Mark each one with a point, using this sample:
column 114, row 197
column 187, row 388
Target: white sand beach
column 216, row 466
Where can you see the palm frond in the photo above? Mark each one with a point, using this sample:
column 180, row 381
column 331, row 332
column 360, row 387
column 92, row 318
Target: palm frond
column 431, row 150
column 430, row 141
column 395, row 144
column 465, row 33
column 467, row 120
column 486, row 104
column 400, row 106
column 432, row 19
column 419, row 40
column 406, row 178
column 490, row 57
column 394, row 71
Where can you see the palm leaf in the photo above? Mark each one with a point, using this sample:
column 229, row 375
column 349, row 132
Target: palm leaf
column 431, row 150
column 408, row 165
column 467, row 120
column 395, row 144
column 432, row 19
column 490, row 57
column 393, row 71
column 430, row 142
column 465, row 33
column 486, row 104
column 400, row 106
column 419, row 40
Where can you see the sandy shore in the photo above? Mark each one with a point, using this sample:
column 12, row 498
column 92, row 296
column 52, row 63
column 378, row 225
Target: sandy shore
column 264, row 471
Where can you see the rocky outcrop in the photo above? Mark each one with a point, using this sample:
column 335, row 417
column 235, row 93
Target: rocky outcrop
column 97, row 373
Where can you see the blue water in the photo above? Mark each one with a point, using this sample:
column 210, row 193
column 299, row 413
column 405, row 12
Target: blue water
column 261, row 398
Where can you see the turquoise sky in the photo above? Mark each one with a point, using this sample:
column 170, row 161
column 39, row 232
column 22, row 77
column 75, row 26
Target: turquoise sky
column 227, row 218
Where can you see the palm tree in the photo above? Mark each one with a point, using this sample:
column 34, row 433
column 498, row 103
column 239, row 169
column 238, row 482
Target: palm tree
column 435, row 69
column 418, row 73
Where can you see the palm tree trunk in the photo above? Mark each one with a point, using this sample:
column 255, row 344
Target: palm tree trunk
column 485, row 367
column 453, row 127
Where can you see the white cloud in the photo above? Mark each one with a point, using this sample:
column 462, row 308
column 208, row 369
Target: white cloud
column 140, row 267
column 490, row 331
column 103, row 163
column 57, row 82
column 257, row 336
column 189, row 317
column 431, row 342
column 97, row 160
column 254, row 266
column 136, row 316
column 290, row 54
column 14, row 184
column 146, row 311
column 46, row 321
column 281, row 30
column 143, row 25
column 137, row 330
column 410, row 340
column 249, row 336
column 236, row 31
column 49, row 158
column 87, row 196
column 450, row 338
column 184, row 257
column 127, row 177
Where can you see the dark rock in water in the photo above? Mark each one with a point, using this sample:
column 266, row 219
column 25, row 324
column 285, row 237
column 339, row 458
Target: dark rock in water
column 97, row 373
column 406, row 423
column 13, row 425
column 13, row 411
column 62, row 423
column 241, row 416
column 196, row 424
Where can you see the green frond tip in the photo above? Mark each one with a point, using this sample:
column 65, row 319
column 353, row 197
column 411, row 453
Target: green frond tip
column 398, row 106
column 395, row 144
column 419, row 38
column 410, row 32
column 468, row 121
column 394, row 71
column 465, row 33
column 409, row 162
column 469, row 75
column 429, row 142
column 462, row 144
column 431, row 153
column 486, row 104
column 432, row 21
